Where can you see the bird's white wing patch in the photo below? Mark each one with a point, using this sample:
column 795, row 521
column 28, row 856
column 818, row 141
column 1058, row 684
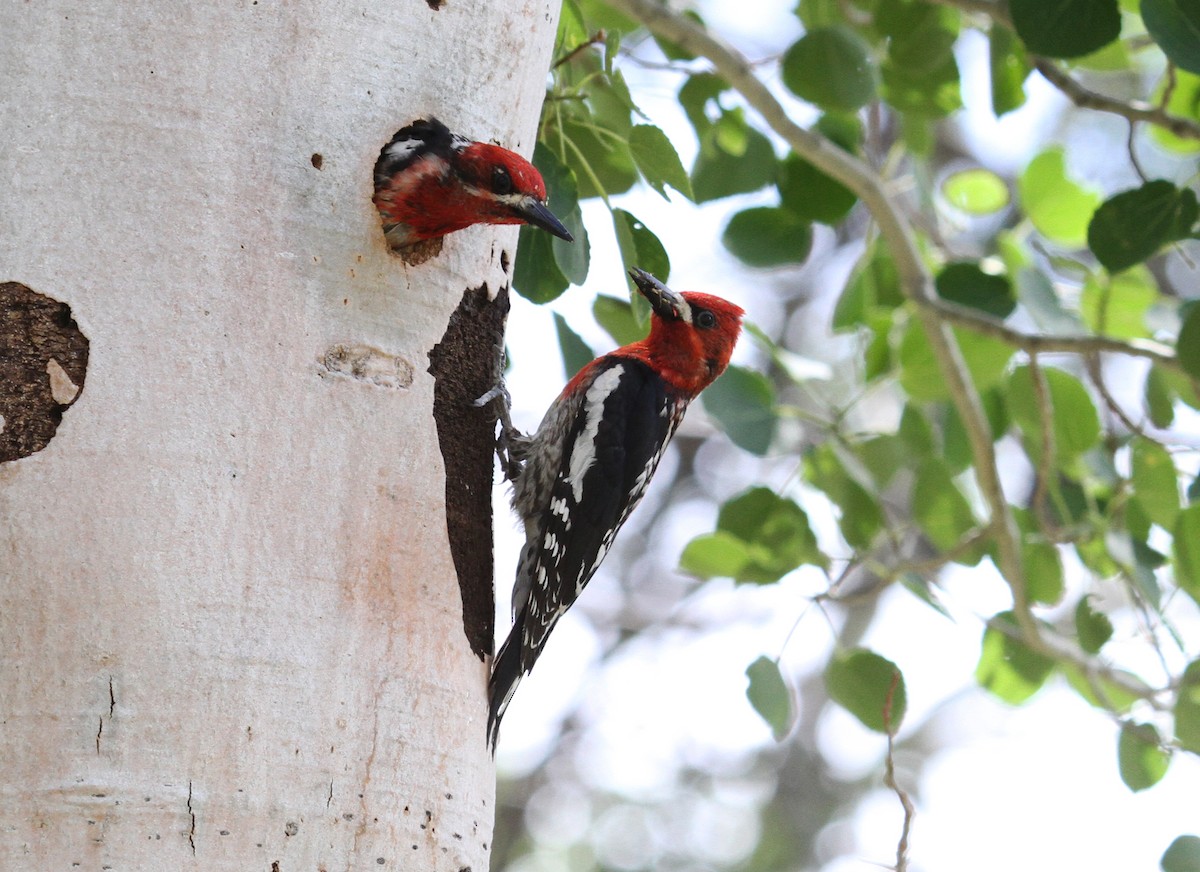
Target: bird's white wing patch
column 583, row 452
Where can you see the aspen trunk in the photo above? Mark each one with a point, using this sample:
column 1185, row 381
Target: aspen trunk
column 232, row 630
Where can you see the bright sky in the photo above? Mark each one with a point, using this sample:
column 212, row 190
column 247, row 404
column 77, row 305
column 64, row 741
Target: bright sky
column 1034, row 788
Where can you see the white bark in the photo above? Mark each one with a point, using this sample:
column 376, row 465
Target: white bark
column 231, row 628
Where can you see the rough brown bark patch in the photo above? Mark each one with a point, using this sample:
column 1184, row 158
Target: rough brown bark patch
column 465, row 366
column 43, row 361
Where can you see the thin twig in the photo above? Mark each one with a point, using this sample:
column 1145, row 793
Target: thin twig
column 1084, row 98
column 889, row 778
column 596, row 38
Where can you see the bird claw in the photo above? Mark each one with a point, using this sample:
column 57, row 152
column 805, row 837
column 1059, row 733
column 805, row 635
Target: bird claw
column 510, row 441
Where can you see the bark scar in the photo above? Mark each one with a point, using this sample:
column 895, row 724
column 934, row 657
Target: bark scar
column 43, row 361
column 465, row 366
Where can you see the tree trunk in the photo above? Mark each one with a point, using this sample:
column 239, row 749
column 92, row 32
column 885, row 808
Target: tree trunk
column 232, row 627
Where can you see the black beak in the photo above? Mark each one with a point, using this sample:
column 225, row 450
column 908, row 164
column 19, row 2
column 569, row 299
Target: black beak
column 534, row 212
column 666, row 303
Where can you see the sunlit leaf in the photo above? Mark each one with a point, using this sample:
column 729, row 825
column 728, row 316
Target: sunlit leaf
column 975, row 191
column 861, row 517
column 1007, row 667
column 715, row 555
column 1059, row 208
column 1116, row 305
column 868, row 686
column 921, row 376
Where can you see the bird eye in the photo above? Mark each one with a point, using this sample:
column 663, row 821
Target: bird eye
column 705, row 319
column 501, row 181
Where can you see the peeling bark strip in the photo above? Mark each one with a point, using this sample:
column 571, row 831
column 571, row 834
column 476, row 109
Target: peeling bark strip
column 464, row 366
column 43, row 361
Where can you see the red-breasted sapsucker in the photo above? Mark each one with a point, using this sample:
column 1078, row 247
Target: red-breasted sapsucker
column 588, row 464
column 430, row 182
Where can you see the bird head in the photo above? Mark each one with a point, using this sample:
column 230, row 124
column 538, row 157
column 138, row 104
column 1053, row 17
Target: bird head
column 506, row 188
column 692, row 335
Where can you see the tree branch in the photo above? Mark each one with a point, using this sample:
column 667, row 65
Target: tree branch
column 915, row 282
column 1084, row 98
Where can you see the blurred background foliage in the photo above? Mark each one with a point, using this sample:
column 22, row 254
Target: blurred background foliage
column 869, row 471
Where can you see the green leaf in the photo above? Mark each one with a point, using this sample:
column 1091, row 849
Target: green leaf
column 1092, row 627
column 861, row 518
column 657, row 160
column 874, row 283
column 617, row 319
column 1141, row 756
column 1159, row 399
column 1010, row 68
column 1116, row 305
column 767, row 236
column 1184, row 101
column 1175, row 26
column 1043, row 572
column 927, row 94
column 575, row 352
column 1187, row 709
column 1187, row 551
column 775, row 531
column 715, row 555
column 1155, row 482
column 1075, row 425
column 939, row 506
column 812, row 195
column 597, row 159
column 831, row 67
column 1101, row 692
column 1065, row 28
column 639, row 246
column 975, row 191
column 922, row 378
column 536, row 276
column 1007, row 667
column 964, row 282
column 1133, row 225
column 1058, row 207
column 697, row 92
column 1182, row 856
column 769, row 695
column 720, row 172
column 743, row 402
column 571, row 258
column 1187, row 346
column 868, row 686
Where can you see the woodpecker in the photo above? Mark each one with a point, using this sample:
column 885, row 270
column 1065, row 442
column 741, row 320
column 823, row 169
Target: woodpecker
column 588, row 464
column 430, row 182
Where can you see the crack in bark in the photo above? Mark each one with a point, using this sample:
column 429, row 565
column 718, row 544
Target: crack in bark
column 192, row 815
